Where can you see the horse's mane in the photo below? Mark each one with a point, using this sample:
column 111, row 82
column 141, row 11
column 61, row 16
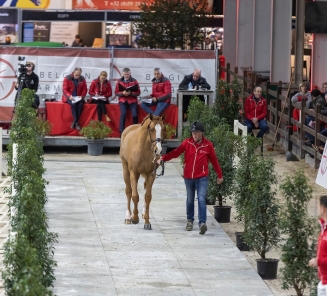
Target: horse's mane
column 148, row 117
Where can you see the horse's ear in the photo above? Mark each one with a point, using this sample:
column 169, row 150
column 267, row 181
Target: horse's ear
column 145, row 118
column 151, row 116
column 163, row 117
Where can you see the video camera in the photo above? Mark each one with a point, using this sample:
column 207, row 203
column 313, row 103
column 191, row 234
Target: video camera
column 22, row 67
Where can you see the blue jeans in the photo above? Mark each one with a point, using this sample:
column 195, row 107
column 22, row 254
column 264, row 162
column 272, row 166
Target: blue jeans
column 311, row 138
column 161, row 107
column 201, row 187
column 77, row 109
column 123, row 110
column 262, row 126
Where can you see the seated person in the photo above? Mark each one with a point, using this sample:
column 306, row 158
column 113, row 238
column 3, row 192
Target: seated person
column 101, row 87
column 321, row 147
column 255, row 111
column 303, row 93
column 316, row 99
column 78, row 42
column 28, row 80
column 161, row 94
column 197, row 81
column 127, row 97
column 74, row 86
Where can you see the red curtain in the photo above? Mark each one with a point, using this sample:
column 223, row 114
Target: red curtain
column 60, row 116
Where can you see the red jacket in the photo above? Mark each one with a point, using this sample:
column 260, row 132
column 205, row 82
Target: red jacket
column 132, row 98
column 196, row 158
column 69, row 86
column 161, row 89
column 253, row 109
column 322, row 252
column 103, row 89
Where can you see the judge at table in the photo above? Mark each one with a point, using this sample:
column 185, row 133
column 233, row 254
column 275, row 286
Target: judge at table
column 196, row 81
column 73, row 93
column 100, row 91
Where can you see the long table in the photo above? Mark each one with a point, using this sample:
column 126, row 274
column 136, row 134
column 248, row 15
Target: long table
column 60, row 116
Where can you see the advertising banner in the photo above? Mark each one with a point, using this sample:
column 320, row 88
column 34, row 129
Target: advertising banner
column 53, row 64
column 117, row 4
column 322, row 172
column 63, row 32
column 41, row 31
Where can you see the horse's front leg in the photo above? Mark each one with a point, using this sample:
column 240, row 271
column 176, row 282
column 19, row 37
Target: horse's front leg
column 147, row 199
column 134, row 177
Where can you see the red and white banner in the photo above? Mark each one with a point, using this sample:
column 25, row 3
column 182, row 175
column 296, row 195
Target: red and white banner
column 116, row 5
column 53, row 64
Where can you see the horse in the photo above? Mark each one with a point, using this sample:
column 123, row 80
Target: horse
column 140, row 147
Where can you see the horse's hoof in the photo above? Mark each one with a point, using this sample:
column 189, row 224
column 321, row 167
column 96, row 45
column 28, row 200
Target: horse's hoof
column 147, row 226
column 127, row 221
column 135, row 221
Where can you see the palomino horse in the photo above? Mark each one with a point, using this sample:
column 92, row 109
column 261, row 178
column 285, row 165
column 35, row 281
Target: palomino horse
column 140, row 147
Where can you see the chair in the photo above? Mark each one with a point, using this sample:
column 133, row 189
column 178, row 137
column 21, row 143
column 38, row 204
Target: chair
column 98, row 43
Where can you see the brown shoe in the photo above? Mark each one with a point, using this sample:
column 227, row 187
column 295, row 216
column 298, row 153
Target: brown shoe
column 108, row 118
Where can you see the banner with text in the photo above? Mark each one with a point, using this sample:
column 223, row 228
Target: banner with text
column 52, row 65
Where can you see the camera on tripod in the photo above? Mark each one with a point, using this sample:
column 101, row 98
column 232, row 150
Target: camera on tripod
column 22, row 67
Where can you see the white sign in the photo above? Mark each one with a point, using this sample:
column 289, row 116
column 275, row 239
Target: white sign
column 63, row 32
column 322, row 172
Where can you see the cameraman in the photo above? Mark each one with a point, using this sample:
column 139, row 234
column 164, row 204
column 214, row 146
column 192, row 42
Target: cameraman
column 28, row 79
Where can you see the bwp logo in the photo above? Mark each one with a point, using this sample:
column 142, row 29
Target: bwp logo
column 7, row 79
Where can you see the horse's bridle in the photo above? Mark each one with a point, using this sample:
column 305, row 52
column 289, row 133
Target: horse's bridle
column 162, row 164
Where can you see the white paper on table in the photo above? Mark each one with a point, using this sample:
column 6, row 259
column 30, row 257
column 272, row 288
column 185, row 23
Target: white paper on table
column 99, row 98
column 76, row 99
column 147, row 101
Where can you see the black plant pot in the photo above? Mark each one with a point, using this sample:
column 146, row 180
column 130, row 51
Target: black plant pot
column 267, row 268
column 242, row 246
column 222, row 214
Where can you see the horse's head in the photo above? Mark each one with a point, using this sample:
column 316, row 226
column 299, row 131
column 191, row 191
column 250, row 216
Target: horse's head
column 156, row 130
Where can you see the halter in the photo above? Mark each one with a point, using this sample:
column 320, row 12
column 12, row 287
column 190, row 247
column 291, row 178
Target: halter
column 162, row 164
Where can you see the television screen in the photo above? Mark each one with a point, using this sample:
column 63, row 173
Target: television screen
column 315, row 17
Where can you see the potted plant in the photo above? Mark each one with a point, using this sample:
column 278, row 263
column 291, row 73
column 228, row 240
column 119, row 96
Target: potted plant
column 242, row 193
column 170, row 131
column 95, row 133
column 226, row 146
column 262, row 210
column 300, row 234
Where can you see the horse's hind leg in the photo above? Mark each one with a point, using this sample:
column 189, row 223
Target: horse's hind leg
column 134, row 177
column 128, row 191
column 149, row 179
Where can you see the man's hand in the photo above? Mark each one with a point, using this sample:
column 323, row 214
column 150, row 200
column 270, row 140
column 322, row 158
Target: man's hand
column 71, row 98
column 313, row 262
column 220, row 180
column 154, row 99
column 159, row 160
column 254, row 120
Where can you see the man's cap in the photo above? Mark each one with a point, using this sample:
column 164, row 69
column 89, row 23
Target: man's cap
column 197, row 126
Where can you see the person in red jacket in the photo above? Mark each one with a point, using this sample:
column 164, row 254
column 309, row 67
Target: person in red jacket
column 321, row 260
column 127, row 89
column 198, row 151
column 73, row 93
column 100, row 91
column 255, row 110
column 161, row 94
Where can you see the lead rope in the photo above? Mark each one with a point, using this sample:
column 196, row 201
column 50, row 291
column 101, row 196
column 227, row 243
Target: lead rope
column 162, row 164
